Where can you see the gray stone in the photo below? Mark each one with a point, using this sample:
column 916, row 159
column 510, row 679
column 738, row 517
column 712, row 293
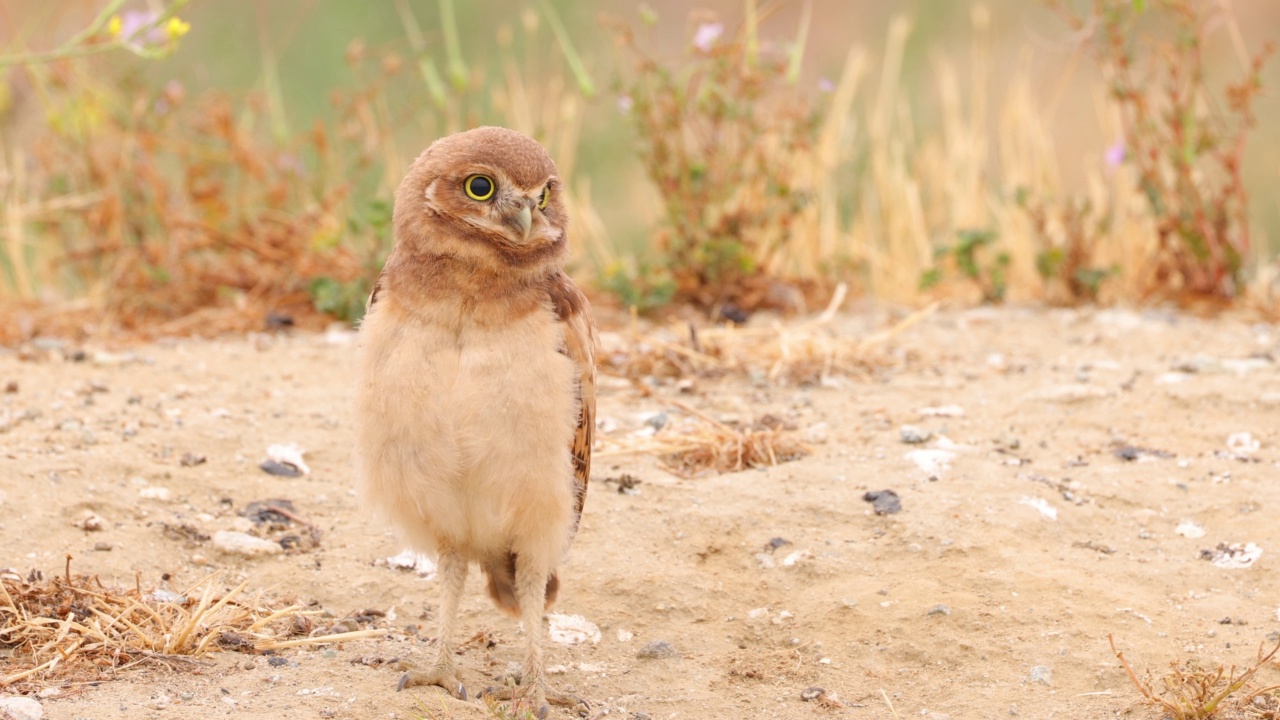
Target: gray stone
column 658, row 650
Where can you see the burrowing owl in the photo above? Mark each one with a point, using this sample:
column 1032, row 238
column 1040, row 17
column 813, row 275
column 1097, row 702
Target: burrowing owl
column 476, row 383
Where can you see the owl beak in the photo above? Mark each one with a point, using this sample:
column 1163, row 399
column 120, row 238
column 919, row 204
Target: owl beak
column 523, row 219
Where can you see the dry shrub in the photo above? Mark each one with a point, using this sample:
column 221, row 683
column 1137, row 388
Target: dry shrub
column 176, row 216
column 72, row 627
column 160, row 211
column 1188, row 148
column 1190, row 692
column 731, row 144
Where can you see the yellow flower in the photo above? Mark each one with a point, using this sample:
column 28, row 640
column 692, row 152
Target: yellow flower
column 115, row 25
column 176, row 28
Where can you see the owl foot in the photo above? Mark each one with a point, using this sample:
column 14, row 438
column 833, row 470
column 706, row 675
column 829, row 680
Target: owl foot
column 536, row 698
column 442, row 674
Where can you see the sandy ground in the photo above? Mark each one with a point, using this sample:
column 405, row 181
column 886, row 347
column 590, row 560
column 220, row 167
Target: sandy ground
column 1024, row 537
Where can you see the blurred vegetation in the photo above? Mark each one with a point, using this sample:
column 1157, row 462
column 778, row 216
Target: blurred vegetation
column 1186, row 146
column 241, row 173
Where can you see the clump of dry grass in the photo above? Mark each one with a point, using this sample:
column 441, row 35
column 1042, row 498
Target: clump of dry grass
column 72, row 627
column 1189, row 692
column 805, row 353
column 702, row 444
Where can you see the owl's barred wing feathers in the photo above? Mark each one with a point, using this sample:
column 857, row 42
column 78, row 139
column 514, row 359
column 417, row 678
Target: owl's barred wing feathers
column 580, row 346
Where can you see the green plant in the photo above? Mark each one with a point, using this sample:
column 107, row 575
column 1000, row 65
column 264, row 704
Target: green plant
column 728, row 140
column 985, row 268
column 1069, row 234
column 641, row 285
column 1188, row 153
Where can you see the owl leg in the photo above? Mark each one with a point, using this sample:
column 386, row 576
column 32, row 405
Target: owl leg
column 533, row 693
column 452, row 572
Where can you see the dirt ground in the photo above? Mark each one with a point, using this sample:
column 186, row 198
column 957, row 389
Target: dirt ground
column 1077, row 472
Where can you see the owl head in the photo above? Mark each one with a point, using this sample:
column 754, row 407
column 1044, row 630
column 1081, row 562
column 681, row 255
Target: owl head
column 490, row 197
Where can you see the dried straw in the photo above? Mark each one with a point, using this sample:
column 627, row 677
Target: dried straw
column 75, row 628
column 811, row 352
column 706, row 444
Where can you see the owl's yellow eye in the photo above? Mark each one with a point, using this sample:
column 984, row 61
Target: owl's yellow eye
column 479, row 187
column 546, row 197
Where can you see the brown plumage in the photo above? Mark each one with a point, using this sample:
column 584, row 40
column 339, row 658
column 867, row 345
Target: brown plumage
column 476, row 382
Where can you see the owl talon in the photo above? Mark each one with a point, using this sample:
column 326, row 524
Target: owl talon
column 444, row 677
column 541, row 699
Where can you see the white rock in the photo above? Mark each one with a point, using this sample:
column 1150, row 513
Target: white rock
column 1042, row 506
column 1188, row 529
column 155, row 492
column 1243, row 443
column 1069, row 393
column 942, row 411
column 238, row 543
column 932, row 462
column 289, row 454
column 423, row 565
column 21, row 708
column 796, row 557
column 1237, row 557
column 625, row 635
column 572, row 629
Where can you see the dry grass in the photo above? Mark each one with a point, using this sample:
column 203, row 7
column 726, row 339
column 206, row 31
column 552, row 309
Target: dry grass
column 698, row 444
column 810, row 352
column 1190, row 692
column 73, row 628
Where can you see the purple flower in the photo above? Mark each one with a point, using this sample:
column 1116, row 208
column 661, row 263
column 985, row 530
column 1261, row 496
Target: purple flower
column 825, row 85
column 133, row 21
column 706, row 35
column 1116, row 154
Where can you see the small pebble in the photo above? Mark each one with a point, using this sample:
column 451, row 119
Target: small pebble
column 658, row 650
column 940, row 610
column 812, row 693
column 912, row 435
column 11, row 387
column 277, row 661
column 1042, row 674
column 249, row 665
column 91, row 523
column 238, row 543
column 884, row 502
column 271, row 467
column 102, row 547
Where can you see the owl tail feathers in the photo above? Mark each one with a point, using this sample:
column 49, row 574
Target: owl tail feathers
column 501, row 573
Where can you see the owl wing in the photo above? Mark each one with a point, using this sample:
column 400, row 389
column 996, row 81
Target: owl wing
column 574, row 313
